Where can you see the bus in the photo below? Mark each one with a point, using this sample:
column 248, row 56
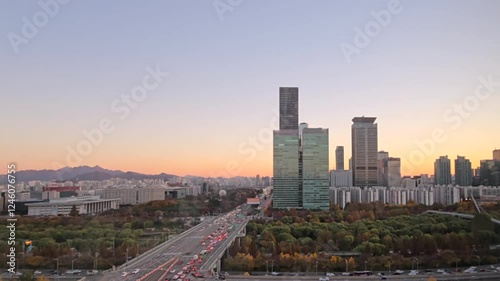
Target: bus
column 362, row 273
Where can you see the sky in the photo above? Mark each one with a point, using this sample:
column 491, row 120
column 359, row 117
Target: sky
column 191, row 87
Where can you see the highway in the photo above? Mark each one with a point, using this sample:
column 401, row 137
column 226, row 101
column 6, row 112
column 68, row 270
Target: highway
column 421, row 277
column 208, row 264
column 169, row 258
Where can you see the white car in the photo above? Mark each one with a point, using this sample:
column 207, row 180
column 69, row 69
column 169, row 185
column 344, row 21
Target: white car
column 413, row 272
column 124, row 274
column 135, row 271
column 330, row 274
column 324, row 279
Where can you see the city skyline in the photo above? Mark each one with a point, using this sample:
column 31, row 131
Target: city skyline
column 213, row 108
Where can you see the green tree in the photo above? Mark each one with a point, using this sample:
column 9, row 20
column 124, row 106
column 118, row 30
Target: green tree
column 74, row 212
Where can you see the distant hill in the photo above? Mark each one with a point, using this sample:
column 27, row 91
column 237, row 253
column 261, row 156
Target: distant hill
column 79, row 173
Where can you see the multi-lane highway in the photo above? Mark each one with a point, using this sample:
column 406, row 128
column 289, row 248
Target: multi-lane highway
column 478, row 276
column 177, row 257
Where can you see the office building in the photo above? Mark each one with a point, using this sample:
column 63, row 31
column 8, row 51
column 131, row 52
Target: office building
column 315, row 176
column 364, row 151
column 285, row 169
column 442, row 171
column 463, row 171
column 382, row 174
column 496, row 155
column 339, row 158
column 289, row 108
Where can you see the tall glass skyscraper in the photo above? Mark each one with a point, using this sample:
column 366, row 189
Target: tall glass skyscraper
column 289, row 108
column 300, row 159
column 339, row 158
column 364, row 151
column 286, row 169
column 315, row 169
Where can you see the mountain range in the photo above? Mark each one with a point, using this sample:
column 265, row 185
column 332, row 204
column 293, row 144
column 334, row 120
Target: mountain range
column 80, row 173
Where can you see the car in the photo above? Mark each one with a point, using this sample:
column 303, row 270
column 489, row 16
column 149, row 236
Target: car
column 329, row 274
column 172, row 271
column 383, row 277
column 37, row 272
column 175, row 277
column 124, row 274
column 135, row 271
column 324, row 279
column 398, row 272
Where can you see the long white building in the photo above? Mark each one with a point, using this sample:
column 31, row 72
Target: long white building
column 85, row 205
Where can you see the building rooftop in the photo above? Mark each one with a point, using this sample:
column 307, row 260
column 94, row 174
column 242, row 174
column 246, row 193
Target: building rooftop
column 364, row 119
column 74, row 200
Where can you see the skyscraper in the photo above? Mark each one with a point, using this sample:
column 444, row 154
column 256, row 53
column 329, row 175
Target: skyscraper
column 286, row 169
column 289, row 108
column 382, row 173
column 339, row 158
column 463, row 171
column 364, row 151
column 442, row 171
column 496, row 155
column 315, row 182
column 302, row 126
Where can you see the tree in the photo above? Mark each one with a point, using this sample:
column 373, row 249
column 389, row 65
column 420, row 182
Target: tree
column 41, row 278
column 74, row 212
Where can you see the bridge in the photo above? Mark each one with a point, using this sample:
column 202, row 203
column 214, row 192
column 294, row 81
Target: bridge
column 460, row 215
column 215, row 258
column 169, row 258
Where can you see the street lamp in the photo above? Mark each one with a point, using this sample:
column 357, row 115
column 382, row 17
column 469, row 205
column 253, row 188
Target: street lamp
column 267, row 268
column 272, row 266
column 95, row 261
column 57, row 267
column 456, row 264
column 316, row 268
column 365, row 265
column 72, row 264
column 346, row 266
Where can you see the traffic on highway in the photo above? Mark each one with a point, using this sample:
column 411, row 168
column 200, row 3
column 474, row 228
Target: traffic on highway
column 188, row 256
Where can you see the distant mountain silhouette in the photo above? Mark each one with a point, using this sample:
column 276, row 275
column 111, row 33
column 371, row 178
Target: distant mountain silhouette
column 79, row 173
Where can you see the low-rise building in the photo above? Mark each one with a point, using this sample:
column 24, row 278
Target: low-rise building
column 86, row 205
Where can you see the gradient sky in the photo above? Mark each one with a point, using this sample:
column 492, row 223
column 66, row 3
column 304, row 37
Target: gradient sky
column 222, row 90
